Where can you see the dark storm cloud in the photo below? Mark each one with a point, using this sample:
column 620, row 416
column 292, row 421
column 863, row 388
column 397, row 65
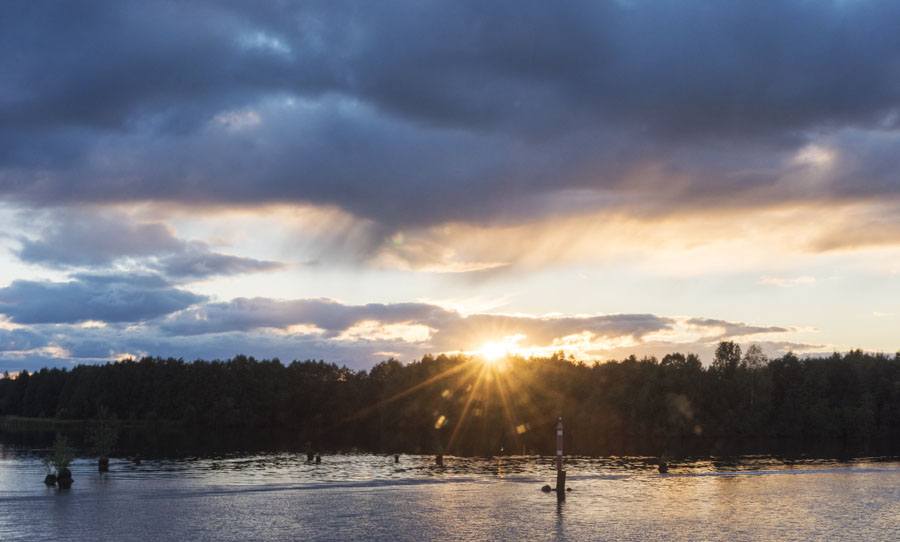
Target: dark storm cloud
column 73, row 239
column 414, row 113
column 469, row 63
column 105, row 298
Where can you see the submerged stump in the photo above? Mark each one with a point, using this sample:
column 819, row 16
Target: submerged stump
column 64, row 478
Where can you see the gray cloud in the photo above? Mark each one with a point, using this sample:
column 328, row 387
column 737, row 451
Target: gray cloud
column 729, row 66
column 198, row 262
column 244, row 314
column 85, row 239
column 105, row 298
column 99, row 239
column 20, row 340
column 143, row 315
column 735, row 329
column 453, row 330
column 328, row 319
column 415, row 114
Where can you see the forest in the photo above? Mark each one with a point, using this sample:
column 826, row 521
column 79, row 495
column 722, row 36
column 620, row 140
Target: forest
column 739, row 402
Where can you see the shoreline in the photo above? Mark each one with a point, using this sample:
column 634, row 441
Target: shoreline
column 172, row 439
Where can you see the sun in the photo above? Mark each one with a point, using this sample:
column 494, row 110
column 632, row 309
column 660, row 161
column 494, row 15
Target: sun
column 493, row 352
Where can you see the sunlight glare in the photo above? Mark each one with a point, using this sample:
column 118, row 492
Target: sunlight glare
column 494, row 351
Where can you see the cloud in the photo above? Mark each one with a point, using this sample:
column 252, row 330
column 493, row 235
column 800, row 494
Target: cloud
column 451, row 330
column 20, row 340
column 412, row 328
column 421, row 327
column 414, row 115
column 103, row 238
column 735, row 329
column 474, row 138
column 196, row 261
column 73, row 239
column 104, row 298
column 861, row 229
column 244, row 314
column 158, row 320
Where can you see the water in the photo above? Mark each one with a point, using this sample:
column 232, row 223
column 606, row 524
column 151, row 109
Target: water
column 368, row 497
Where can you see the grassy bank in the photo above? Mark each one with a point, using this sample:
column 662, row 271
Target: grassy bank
column 22, row 423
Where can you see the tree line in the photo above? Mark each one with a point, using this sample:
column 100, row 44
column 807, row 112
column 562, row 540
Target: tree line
column 461, row 405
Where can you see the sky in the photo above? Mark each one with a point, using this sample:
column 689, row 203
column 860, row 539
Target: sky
column 353, row 181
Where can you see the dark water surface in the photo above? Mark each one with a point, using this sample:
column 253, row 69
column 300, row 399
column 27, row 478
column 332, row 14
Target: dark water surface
column 368, row 497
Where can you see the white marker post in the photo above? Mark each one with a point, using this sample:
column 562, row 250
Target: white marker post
column 560, row 473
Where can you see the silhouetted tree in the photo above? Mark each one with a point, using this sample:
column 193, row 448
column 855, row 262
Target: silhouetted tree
column 728, row 357
column 458, row 405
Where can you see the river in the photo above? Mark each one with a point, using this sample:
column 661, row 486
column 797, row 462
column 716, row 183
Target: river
column 369, row 497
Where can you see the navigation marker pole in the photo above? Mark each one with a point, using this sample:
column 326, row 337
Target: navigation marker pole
column 560, row 473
